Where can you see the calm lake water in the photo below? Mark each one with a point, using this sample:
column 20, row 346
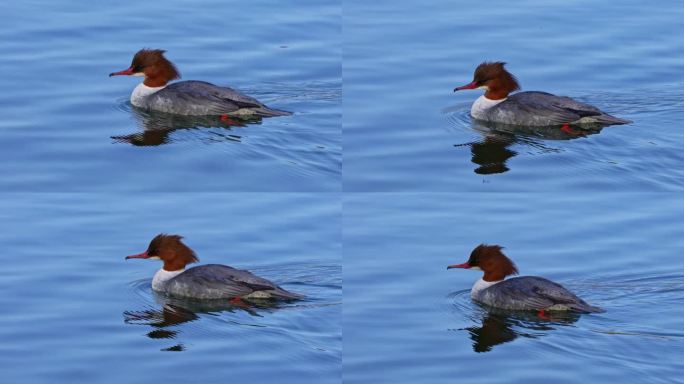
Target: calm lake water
column 66, row 126
column 407, row 319
column 85, row 179
column 75, row 311
column 405, row 130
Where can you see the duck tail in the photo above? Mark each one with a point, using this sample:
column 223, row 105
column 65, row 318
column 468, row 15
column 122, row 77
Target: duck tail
column 609, row 119
column 286, row 295
column 586, row 308
column 269, row 112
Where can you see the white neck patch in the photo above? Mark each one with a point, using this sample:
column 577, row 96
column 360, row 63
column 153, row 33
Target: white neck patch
column 480, row 285
column 162, row 276
column 481, row 105
column 141, row 92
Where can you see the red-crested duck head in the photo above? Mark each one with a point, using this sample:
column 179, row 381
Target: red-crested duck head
column 152, row 64
column 494, row 79
column 169, row 249
column 491, row 260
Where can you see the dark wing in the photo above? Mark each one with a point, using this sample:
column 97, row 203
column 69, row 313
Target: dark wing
column 226, row 94
column 201, row 98
column 560, row 295
column 250, row 280
column 548, row 109
column 215, row 281
column 532, row 292
column 212, row 281
column 260, row 284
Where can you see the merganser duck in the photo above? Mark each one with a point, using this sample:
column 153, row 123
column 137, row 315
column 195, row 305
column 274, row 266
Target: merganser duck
column 519, row 293
column 211, row 281
column 194, row 98
column 527, row 108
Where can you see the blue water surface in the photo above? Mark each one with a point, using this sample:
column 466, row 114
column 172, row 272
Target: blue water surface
column 75, row 311
column 408, row 319
column 405, row 130
column 66, row 126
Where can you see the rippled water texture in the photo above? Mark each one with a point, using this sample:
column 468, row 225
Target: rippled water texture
column 75, row 311
column 66, row 126
column 405, row 130
column 407, row 319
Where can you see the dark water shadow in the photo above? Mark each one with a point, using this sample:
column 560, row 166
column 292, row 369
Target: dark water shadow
column 499, row 326
column 492, row 152
column 173, row 312
column 157, row 128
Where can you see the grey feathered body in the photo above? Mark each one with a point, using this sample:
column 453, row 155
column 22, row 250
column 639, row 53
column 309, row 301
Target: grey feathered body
column 215, row 281
column 532, row 293
column 199, row 98
column 544, row 109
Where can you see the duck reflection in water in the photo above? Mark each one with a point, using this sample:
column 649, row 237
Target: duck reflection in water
column 157, row 128
column 176, row 311
column 494, row 150
column 501, row 326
